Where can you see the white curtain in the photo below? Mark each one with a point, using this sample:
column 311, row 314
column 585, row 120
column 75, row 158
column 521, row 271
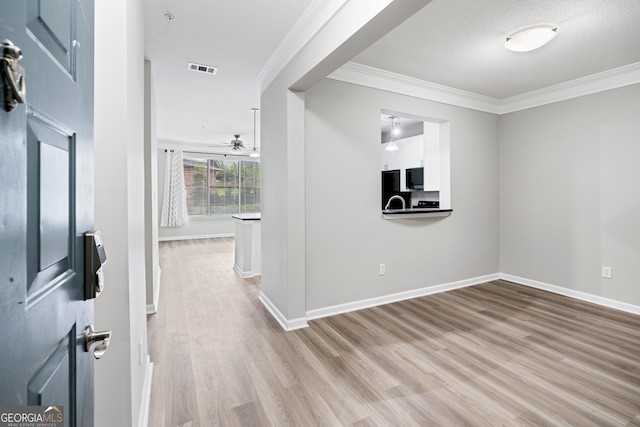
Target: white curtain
column 174, row 200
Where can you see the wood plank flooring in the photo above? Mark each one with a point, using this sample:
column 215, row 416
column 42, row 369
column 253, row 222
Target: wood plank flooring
column 489, row 355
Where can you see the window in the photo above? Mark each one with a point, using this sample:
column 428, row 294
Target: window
column 221, row 187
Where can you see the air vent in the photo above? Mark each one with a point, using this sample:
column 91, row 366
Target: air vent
column 202, row 68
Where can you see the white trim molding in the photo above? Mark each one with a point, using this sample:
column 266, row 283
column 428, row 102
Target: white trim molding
column 287, row 325
column 244, row 274
column 400, row 296
column 153, row 307
column 583, row 296
column 599, row 82
column 375, row 78
column 392, row 82
column 315, row 16
column 143, row 420
column 290, row 325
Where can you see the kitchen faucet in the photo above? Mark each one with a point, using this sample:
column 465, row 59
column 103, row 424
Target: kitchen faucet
column 395, row 196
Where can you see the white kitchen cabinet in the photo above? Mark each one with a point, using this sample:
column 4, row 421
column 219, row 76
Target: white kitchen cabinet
column 392, row 159
column 416, row 156
column 414, row 152
column 431, row 156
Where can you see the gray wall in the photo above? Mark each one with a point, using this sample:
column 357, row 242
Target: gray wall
column 570, row 194
column 346, row 238
column 152, row 256
column 282, row 200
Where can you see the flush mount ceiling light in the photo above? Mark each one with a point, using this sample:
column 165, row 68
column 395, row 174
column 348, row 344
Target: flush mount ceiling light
column 254, row 153
column 531, row 38
column 392, row 145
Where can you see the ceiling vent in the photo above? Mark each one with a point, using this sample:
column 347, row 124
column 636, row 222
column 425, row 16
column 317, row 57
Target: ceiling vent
column 202, row 68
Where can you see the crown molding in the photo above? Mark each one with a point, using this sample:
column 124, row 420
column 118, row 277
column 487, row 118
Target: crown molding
column 315, row 16
column 599, row 82
column 384, row 80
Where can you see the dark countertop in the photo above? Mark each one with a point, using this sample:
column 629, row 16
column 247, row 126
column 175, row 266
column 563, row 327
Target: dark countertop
column 414, row 211
column 247, row 217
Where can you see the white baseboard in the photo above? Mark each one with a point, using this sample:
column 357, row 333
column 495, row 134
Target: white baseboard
column 400, row 296
column 143, row 420
column 153, row 308
column 195, row 236
column 287, row 325
column 583, row 296
column 244, row 274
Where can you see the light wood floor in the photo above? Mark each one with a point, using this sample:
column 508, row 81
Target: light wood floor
column 488, row 355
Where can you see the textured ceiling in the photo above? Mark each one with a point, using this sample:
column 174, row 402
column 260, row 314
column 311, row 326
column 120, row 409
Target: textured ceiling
column 238, row 37
column 456, row 43
column 460, row 43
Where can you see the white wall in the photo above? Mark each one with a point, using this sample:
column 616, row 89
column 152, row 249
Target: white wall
column 119, row 203
column 570, row 194
column 346, row 237
column 197, row 228
column 152, row 256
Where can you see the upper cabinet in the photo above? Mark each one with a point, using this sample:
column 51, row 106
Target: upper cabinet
column 431, row 156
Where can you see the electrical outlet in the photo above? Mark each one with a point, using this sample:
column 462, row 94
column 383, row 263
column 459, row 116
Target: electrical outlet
column 607, row 272
column 382, row 269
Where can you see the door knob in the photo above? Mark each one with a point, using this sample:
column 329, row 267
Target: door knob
column 12, row 75
column 96, row 341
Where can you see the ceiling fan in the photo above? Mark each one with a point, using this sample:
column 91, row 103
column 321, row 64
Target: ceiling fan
column 236, row 145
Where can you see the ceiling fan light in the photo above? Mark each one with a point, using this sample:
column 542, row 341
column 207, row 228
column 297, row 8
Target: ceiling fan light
column 530, row 38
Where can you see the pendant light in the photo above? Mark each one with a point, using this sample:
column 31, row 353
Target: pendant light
column 254, row 153
column 392, row 145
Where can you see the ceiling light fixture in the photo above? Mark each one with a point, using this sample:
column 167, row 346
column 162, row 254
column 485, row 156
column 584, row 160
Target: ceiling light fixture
column 236, row 145
column 392, row 145
column 254, row 153
column 531, row 38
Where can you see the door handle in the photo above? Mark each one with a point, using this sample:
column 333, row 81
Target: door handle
column 96, row 341
column 13, row 75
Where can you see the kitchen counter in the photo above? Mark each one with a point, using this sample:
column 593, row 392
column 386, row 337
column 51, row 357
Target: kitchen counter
column 247, row 247
column 247, row 217
column 412, row 213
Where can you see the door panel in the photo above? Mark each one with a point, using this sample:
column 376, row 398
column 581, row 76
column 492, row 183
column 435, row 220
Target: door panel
column 46, row 206
column 50, row 198
column 51, row 24
column 51, row 382
column 54, row 205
